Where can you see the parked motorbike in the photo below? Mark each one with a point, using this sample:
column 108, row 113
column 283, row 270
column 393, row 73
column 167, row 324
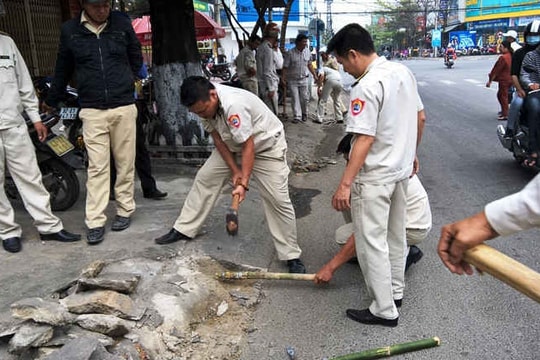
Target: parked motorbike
column 57, row 161
column 517, row 141
column 212, row 69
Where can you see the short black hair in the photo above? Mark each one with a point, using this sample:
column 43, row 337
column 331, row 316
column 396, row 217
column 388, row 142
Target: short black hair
column 195, row 88
column 300, row 37
column 254, row 38
column 506, row 44
column 351, row 37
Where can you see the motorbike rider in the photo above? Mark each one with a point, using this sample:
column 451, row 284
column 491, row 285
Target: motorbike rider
column 450, row 53
column 530, row 80
column 532, row 37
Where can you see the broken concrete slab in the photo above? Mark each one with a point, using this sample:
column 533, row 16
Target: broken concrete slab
column 105, row 324
column 41, row 311
column 122, row 282
column 83, row 348
column 103, row 302
column 64, row 335
column 30, row 335
column 93, row 269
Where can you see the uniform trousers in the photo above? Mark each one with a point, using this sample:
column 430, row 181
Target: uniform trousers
column 18, row 156
column 299, row 98
column 250, row 84
column 331, row 88
column 378, row 213
column 270, row 172
column 272, row 102
column 105, row 131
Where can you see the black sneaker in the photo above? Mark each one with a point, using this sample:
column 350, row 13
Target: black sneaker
column 415, row 254
column 366, row 317
column 296, row 266
column 120, row 223
column 95, row 235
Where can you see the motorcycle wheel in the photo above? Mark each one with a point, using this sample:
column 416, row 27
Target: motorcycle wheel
column 226, row 75
column 61, row 182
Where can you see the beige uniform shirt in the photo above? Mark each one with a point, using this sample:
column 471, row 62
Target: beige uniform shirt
column 242, row 114
column 17, row 93
column 245, row 61
column 385, row 104
column 266, row 67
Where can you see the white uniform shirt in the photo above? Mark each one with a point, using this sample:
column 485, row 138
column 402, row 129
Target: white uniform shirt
column 331, row 74
column 384, row 104
column 278, row 59
column 17, row 92
column 296, row 63
column 245, row 61
column 516, row 212
column 266, row 67
column 242, row 114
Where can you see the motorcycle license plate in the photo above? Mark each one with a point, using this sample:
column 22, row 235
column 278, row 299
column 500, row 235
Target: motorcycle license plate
column 68, row 113
column 60, row 145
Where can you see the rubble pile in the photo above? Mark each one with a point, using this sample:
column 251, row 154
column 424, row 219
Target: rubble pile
column 135, row 309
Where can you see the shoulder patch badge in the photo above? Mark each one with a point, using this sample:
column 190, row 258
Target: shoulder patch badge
column 357, row 105
column 234, row 120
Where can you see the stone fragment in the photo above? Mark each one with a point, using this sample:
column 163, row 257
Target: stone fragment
column 66, row 334
column 83, row 348
column 121, row 282
column 103, row 302
column 30, row 335
column 222, row 308
column 93, row 269
column 105, row 324
column 8, row 330
column 41, row 311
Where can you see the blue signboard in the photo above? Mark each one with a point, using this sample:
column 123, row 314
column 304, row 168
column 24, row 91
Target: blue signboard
column 462, row 39
column 245, row 12
column 436, row 38
column 488, row 24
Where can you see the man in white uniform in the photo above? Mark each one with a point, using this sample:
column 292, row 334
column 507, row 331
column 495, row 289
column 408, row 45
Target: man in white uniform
column 511, row 214
column 383, row 118
column 249, row 141
column 266, row 67
column 329, row 85
column 17, row 152
column 418, row 225
column 246, row 65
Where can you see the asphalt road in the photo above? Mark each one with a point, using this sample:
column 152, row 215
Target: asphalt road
column 463, row 167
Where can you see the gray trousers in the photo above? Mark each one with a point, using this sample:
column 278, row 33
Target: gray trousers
column 299, row 98
column 270, row 172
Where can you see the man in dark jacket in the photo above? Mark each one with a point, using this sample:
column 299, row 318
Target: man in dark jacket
column 102, row 49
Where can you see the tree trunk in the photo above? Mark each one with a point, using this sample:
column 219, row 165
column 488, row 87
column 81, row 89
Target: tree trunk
column 284, row 24
column 175, row 57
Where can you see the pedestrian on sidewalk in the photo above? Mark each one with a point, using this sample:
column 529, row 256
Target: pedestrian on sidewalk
column 296, row 68
column 266, row 67
column 250, row 142
column 17, row 153
column 384, row 122
column 101, row 48
column 501, row 74
column 246, row 65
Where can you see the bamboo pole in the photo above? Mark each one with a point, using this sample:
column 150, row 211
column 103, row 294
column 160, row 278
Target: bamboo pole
column 392, row 350
column 244, row 275
column 506, row 269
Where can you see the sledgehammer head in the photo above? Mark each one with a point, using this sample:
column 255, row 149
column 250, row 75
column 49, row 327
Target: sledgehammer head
column 231, row 219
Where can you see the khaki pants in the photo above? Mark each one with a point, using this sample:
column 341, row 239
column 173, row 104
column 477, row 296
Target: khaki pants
column 378, row 213
column 272, row 102
column 270, row 172
column 105, row 131
column 18, row 156
column 251, row 85
column 414, row 236
column 331, row 88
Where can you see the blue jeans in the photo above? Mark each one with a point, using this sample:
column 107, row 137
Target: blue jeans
column 532, row 104
column 513, row 113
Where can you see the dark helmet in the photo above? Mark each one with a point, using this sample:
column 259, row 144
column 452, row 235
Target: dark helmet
column 532, row 28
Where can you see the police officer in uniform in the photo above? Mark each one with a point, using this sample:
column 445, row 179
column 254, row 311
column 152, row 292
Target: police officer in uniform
column 240, row 125
column 17, row 152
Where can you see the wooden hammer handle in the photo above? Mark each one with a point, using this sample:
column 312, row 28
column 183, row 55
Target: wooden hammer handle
column 506, row 269
column 235, row 202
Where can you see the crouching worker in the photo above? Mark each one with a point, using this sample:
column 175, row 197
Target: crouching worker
column 249, row 141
